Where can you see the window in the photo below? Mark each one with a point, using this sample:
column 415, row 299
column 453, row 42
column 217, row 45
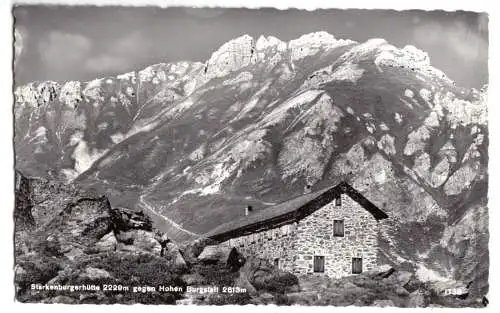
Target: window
column 338, row 228
column 338, row 200
column 319, row 264
column 357, row 265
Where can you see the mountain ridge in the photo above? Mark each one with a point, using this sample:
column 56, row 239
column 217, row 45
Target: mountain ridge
column 258, row 124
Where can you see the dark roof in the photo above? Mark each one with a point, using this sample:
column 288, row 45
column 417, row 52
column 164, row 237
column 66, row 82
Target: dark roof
column 290, row 211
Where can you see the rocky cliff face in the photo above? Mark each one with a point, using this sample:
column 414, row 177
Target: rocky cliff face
column 261, row 121
column 71, row 223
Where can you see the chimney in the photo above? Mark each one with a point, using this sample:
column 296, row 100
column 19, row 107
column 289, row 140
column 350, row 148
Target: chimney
column 248, row 209
column 307, row 188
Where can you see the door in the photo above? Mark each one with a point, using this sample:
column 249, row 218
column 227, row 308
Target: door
column 319, row 264
column 357, row 265
column 277, row 263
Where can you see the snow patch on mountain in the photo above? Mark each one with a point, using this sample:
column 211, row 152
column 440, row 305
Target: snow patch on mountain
column 39, row 136
column 432, row 120
column 242, row 77
column 386, row 144
column 117, row 137
column 212, row 181
column 83, row 155
column 409, row 93
column 198, row 154
column 417, row 140
column 434, row 177
column 280, row 113
column 349, row 72
column 398, row 118
column 251, row 149
column 252, row 104
column 460, row 180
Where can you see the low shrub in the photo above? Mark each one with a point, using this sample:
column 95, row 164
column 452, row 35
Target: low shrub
column 226, row 298
column 279, row 282
column 217, row 274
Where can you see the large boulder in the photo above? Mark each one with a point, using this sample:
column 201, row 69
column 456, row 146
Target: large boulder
column 419, row 299
column 77, row 227
column 265, row 276
column 221, row 254
column 107, row 243
column 48, row 198
column 381, row 272
column 191, row 250
column 126, row 219
column 178, row 259
column 138, row 241
column 94, row 273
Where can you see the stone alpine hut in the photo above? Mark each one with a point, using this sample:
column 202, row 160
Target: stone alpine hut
column 332, row 231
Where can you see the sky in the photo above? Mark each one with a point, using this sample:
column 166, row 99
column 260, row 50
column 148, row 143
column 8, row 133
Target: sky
column 63, row 43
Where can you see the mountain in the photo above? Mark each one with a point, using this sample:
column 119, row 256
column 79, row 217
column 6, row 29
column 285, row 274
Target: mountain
column 263, row 121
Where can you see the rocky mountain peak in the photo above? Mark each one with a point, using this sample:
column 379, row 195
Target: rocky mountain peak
column 231, row 56
column 264, row 43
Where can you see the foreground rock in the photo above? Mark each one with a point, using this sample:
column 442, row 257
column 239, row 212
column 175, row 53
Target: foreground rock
column 382, row 287
column 82, row 239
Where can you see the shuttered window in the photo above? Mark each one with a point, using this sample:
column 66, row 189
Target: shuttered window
column 357, row 265
column 338, row 200
column 338, row 228
column 319, row 264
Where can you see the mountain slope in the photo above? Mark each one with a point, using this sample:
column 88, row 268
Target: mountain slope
column 264, row 120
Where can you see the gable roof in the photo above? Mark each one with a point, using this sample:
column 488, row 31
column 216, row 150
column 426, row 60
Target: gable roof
column 291, row 211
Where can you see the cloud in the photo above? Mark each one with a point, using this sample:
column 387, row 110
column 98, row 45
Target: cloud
column 204, row 13
column 130, row 44
column 62, row 50
column 20, row 37
column 463, row 39
column 120, row 54
column 106, row 62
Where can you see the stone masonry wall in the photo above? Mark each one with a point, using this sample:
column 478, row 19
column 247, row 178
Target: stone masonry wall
column 314, row 236
column 277, row 243
column 295, row 245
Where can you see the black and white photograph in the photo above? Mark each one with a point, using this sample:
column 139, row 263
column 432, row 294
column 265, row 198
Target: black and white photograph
column 200, row 156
